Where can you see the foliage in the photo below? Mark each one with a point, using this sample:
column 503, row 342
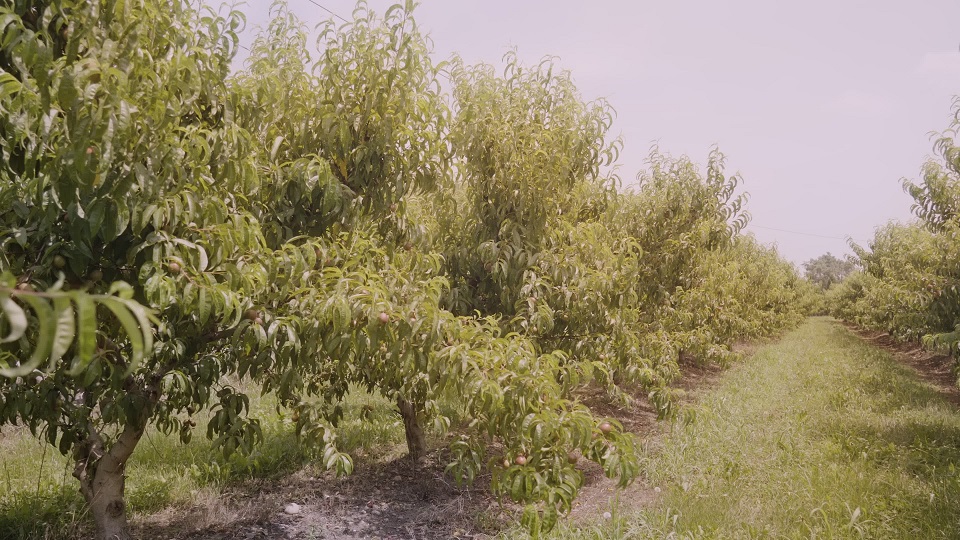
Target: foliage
column 616, row 281
column 826, row 270
column 123, row 162
column 748, row 291
column 371, row 315
column 311, row 225
column 910, row 283
column 61, row 317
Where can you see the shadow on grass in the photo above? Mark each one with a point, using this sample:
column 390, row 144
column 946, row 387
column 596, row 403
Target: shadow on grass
column 893, row 424
column 817, row 436
column 49, row 513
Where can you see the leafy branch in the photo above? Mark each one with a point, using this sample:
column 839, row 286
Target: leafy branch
column 66, row 320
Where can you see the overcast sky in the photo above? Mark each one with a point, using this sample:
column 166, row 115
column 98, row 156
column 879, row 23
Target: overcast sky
column 822, row 106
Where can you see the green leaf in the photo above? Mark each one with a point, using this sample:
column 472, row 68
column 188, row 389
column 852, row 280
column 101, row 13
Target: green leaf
column 16, row 318
column 67, row 93
column 144, row 318
column 44, row 343
column 64, row 331
column 138, row 336
column 96, row 217
column 121, row 289
column 204, row 305
column 276, row 147
column 86, row 333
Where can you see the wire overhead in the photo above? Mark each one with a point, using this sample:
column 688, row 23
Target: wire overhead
column 799, row 232
column 330, row 11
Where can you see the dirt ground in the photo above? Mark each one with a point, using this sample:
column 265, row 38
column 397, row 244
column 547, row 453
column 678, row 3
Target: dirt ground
column 402, row 500
column 394, row 500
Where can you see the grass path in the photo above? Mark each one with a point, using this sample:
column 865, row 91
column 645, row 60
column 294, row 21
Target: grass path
column 819, row 435
column 816, row 436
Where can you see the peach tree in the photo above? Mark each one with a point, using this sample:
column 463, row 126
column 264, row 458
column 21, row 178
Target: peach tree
column 317, row 223
column 250, row 235
column 355, row 142
column 536, row 234
column 909, row 284
column 126, row 184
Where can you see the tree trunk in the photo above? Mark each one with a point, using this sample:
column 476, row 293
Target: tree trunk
column 107, row 506
column 102, row 479
column 416, row 441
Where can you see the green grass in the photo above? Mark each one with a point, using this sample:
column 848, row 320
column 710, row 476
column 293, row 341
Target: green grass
column 39, row 498
column 817, row 436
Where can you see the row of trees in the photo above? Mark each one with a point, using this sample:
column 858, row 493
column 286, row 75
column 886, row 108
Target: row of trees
column 827, row 270
column 315, row 222
column 909, row 283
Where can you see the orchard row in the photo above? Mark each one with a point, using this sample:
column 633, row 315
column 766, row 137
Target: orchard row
column 447, row 236
column 909, row 278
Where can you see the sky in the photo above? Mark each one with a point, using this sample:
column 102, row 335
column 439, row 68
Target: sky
column 821, row 106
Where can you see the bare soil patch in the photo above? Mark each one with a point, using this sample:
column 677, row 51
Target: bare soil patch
column 697, row 379
column 395, row 500
column 936, row 369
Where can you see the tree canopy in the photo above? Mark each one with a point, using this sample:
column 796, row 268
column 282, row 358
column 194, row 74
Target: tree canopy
column 323, row 221
column 826, row 270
